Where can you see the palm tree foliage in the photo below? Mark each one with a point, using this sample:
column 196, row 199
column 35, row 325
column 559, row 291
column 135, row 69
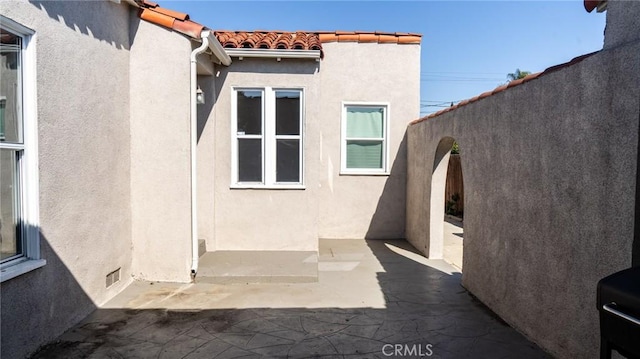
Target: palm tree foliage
column 517, row 75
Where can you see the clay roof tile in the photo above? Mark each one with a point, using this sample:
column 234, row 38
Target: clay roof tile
column 328, row 37
column 284, row 41
column 408, row 39
column 515, row 82
column 590, row 5
column 499, row 89
column 189, row 28
column 174, row 14
column 300, row 42
column 368, row 38
column 267, row 41
column 157, row 18
column 348, row 37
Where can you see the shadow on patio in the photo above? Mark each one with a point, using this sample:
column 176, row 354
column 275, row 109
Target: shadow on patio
column 372, row 299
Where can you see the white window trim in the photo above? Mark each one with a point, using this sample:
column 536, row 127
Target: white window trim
column 269, row 140
column 29, row 163
column 385, row 170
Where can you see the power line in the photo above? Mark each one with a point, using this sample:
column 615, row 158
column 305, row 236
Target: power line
column 452, row 76
column 441, row 104
column 461, row 79
column 458, row 77
column 460, row 72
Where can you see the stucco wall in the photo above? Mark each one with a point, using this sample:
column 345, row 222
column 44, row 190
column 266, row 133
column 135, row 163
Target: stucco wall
column 623, row 22
column 206, row 161
column 160, row 164
column 331, row 205
column 366, row 206
column 266, row 219
column 82, row 70
column 549, row 173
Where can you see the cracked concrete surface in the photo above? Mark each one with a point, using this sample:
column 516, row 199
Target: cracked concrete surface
column 374, row 299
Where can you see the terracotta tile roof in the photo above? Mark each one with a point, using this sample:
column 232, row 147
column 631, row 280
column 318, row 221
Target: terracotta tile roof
column 279, row 40
column 171, row 19
column 370, row 36
column 304, row 40
column 601, row 5
column 269, row 40
column 505, row 87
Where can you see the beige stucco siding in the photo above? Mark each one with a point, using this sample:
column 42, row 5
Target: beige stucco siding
column 266, row 219
column 366, row 206
column 330, row 205
column 206, row 161
column 160, row 152
column 549, row 195
column 82, row 69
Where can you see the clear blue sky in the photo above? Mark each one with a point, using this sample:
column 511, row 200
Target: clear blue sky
column 468, row 47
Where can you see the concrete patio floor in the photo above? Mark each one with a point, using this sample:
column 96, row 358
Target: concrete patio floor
column 452, row 242
column 374, row 299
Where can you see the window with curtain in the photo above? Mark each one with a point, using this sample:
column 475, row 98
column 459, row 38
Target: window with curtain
column 364, row 139
column 267, row 126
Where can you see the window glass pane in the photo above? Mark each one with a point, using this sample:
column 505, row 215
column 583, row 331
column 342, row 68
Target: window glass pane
column 287, row 161
column 364, row 154
column 10, row 243
column 250, row 112
column 250, row 160
column 287, row 112
column 10, row 87
column 365, row 122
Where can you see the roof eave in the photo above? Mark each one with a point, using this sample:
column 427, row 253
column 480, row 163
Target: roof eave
column 216, row 48
column 274, row 53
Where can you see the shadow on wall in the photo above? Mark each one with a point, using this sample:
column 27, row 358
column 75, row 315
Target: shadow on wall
column 207, row 85
column 40, row 305
column 273, row 66
column 388, row 220
column 216, row 86
column 635, row 246
column 73, row 14
column 425, row 309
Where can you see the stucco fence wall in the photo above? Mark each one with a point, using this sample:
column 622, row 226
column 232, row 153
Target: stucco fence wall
column 549, row 175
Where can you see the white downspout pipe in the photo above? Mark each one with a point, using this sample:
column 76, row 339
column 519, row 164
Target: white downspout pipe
column 194, row 148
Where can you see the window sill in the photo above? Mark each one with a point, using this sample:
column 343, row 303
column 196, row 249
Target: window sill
column 23, row 267
column 261, row 186
column 364, row 173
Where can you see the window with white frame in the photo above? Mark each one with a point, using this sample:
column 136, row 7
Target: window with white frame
column 267, row 127
column 19, row 231
column 364, row 145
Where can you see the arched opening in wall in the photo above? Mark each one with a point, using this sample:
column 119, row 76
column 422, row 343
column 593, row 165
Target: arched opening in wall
column 453, row 210
column 447, row 204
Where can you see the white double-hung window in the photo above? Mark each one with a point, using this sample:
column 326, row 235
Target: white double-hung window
column 267, row 138
column 19, row 228
column 364, row 147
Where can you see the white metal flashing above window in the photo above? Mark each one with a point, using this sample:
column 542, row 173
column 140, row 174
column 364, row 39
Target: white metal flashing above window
column 274, row 53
